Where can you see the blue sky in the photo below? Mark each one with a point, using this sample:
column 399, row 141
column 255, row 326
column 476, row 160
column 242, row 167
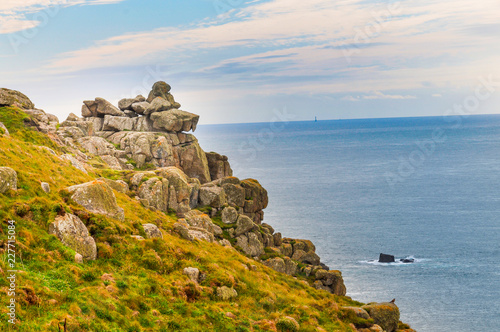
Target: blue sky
column 239, row 61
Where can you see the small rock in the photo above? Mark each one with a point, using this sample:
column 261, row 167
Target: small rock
column 137, row 237
column 229, row 215
column 192, row 273
column 8, row 179
column 152, row 231
column 225, row 293
column 46, row 187
column 78, row 258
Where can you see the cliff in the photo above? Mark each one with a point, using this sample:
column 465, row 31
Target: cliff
column 124, row 223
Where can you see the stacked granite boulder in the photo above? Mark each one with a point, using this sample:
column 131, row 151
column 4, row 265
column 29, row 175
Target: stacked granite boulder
column 143, row 131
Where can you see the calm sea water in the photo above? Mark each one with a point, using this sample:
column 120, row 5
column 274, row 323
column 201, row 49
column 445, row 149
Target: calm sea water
column 422, row 187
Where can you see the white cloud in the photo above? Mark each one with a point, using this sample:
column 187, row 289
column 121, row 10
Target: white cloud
column 13, row 12
column 380, row 95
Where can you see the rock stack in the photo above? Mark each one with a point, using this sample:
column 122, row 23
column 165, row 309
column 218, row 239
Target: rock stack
column 212, row 205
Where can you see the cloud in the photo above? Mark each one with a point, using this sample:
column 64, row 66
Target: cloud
column 13, row 13
column 376, row 95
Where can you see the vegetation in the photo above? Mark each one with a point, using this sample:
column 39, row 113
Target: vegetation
column 133, row 285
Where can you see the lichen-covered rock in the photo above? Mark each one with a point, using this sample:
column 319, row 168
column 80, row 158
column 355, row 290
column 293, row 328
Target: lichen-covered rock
column 118, row 123
column 140, row 107
column 244, row 225
column 126, row 103
column 201, row 220
column 250, row 244
column 8, row 179
column 181, row 188
column 213, row 196
column 157, row 105
column 384, row 314
column 182, row 228
column 72, row 232
column 173, row 120
column 192, row 160
column 162, row 89
column 291, row 266
column 104, row 107
column 287, row 323
column 74, row 162
column 41, row 121
column 192, row 273
column 155, row 191
column 97, row 197
column 225, row 293
column 152, row 231
column 218, row 165
column 4, row 130
column 45, row 187
column 276, row 263
column 97, row 146
column 15, row 98
column 255, row 193
column 360, row 312
column 118, row 185
column 229, row 215
column 332, row 279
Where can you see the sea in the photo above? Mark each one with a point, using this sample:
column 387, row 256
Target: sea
column 426, row 188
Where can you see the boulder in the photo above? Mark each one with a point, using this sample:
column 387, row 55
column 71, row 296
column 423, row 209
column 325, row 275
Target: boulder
column 4, row 130
column 8, row 179
column 97, row 123
column 384, row 258
column 15, row 98
column 155, row 191
column 152, row 231
column 255, row 193
column 182, row 229
column 291, row 266
column 117, row 123
column 160, row 89
column 212, row 196
column 126, row 103
column 104, row 107
column 118, row 185
column 250, row 244
column 276, row 263
column 97, row 146
column 360, row 312
column 74, row 162
column 225, row 293
column 244, row 225
column 192, row 273
column 235, row 194
column 201, row 220
column 174, row 120
column 384, row 314
column 192, row 160
column 112, row 162
column 157, row 105
column 45, row 187
column 229, row 215
column 41, row 121
column 97, row 197
column 140, row 107
column 72, row 232
column 180, row 187
column 218, row 165
column 332, row 279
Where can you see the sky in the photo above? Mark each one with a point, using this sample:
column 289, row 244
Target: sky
column 235, row 61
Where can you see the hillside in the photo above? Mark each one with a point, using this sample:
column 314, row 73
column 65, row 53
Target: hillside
column 123, row 223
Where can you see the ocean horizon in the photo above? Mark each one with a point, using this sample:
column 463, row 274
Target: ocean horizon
column 421, row 187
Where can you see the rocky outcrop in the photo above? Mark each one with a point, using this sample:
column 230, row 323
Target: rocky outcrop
column 15, row 98
column 152, row 231
column 386, row 315
column 8, row 179
column 71, row 231
column 218, row 166
column 97, row 197
column 41, row 121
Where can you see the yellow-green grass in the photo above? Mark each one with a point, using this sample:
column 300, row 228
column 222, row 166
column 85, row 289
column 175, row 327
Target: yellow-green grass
column 149, row 291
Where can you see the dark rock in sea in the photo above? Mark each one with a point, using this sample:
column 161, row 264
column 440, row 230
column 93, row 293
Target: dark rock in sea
column 386, row 258
column 407, row 260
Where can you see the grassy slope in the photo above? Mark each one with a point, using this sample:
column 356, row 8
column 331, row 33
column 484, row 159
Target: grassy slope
column 149, row 292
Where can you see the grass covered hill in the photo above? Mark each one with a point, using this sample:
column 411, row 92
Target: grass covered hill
column 138, row 282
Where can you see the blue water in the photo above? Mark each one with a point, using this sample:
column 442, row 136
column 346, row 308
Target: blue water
column 360, row 187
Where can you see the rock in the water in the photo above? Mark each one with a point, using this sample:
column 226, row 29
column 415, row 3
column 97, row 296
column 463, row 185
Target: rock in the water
column 225, row 293
column 157, row 105
column 384, row 314
column 174, row 120
column 73, row 233
column 4, row 130
column 8, row 179
column 97, row 197
column 152, row 231
column 45, row 187
column 192, row 273
column 384, row 258
column 104, row 107
column 15, row 98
